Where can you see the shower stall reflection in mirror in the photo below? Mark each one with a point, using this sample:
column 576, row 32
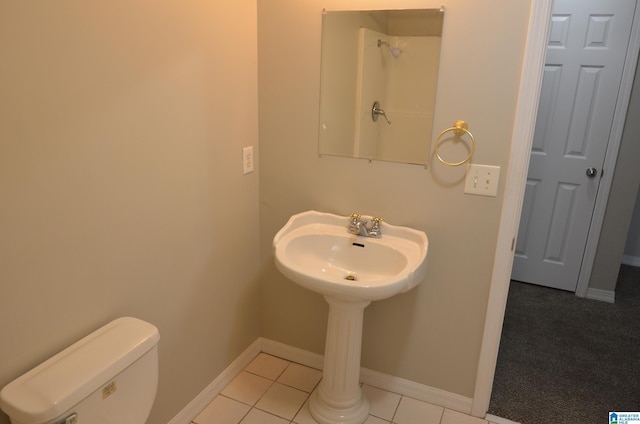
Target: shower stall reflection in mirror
column 399, row 72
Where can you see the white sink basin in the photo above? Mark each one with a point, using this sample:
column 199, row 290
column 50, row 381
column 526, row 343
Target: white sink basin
column 315, row 250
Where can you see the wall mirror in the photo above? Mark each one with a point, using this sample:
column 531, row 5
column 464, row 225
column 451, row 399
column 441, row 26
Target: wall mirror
column 378, row 83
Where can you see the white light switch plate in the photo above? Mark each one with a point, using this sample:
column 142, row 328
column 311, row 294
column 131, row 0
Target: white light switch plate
column 482, row 180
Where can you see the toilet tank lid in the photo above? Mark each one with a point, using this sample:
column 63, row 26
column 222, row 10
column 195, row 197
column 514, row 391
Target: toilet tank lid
column 65, row 379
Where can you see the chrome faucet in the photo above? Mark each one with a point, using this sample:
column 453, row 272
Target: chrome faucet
column 359, row 227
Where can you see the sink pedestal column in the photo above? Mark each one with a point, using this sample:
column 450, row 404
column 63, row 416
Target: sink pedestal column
column 339, row 398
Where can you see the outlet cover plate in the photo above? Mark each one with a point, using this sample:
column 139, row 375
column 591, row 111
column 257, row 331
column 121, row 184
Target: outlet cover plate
column 247, row 159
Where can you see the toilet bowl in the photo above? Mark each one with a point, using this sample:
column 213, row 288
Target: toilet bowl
column 108, row 377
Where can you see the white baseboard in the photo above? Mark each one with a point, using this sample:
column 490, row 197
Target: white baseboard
column 373, row 378
column 498, row 420
column 608, row 296
column 205, row 397
column 415, row 390
column 631, row 260
column 291, row 353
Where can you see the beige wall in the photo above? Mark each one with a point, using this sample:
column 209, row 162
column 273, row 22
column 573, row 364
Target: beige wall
column 121, row 126
column 432, row 334
column 121, row 191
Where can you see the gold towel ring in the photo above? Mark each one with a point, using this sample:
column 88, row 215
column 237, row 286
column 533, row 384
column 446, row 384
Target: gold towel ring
column 460, row 128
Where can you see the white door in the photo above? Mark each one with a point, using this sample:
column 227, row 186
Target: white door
column 585, row 58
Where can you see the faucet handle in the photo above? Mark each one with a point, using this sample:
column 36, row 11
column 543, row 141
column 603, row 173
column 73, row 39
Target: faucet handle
column 375, row 227
column 353, row 225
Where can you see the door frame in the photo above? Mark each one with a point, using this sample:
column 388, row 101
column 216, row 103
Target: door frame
column 522, row 139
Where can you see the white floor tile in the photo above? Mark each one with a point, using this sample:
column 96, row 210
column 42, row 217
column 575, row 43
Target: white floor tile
column 382, row 404
column 304, row 416
column 283, row 401
column 222, row 410
column 272, row 390
column 257, row 416
column 375, row 420
column 267, row 366
column 453, row 417
column 247, row 388
column 411, row 411
column 300, row 377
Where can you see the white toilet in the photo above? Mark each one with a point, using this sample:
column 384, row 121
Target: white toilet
column 108, row 377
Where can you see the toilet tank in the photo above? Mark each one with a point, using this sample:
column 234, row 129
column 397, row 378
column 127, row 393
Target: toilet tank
column 108, row 377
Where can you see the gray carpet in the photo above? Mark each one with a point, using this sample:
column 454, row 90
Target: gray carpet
column 567, row 359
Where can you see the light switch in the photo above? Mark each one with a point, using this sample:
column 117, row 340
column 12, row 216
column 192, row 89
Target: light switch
column 482, row 180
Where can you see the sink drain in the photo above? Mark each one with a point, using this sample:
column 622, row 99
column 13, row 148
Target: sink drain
column 350, row 277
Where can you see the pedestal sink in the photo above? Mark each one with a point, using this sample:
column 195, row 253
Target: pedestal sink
column 315, row 251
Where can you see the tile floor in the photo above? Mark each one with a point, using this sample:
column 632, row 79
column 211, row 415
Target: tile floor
column 272, row 390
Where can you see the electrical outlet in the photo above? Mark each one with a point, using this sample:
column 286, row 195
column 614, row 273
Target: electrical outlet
column 482, row 180
column 247, row 159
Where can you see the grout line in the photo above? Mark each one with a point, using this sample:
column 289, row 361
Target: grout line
column 395, row 411
column 300, row 409
column 246, row 413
